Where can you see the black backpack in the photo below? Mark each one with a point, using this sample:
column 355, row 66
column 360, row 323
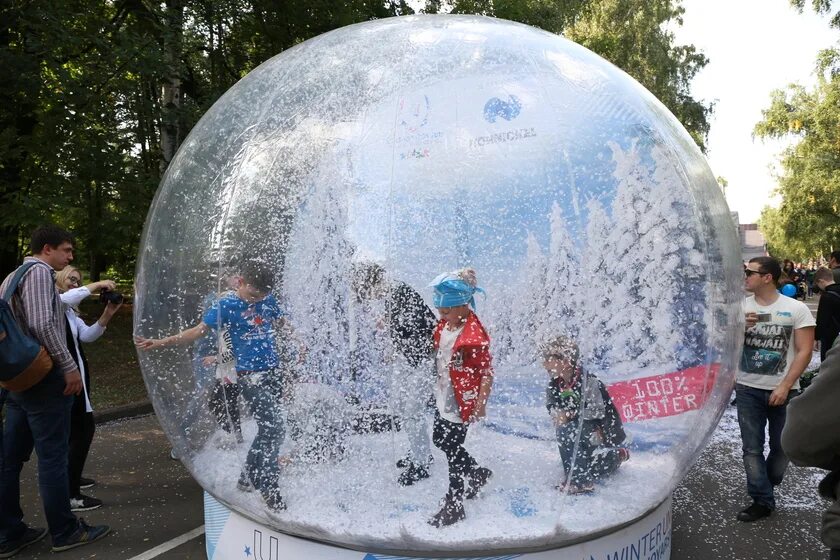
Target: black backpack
column 23, row 361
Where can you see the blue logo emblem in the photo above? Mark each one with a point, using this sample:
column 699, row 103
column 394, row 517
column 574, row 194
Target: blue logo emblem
column 508, row 110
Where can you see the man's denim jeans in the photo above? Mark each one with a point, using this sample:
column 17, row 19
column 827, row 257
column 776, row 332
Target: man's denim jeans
column 37, row 418
column 754, row 414
column 259, row 391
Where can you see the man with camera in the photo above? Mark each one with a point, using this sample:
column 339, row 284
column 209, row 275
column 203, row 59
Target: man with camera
column 778, row 343
column 39, row 416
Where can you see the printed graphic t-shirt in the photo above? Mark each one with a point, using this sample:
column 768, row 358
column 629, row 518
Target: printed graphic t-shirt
column 251, row 329
column 769, row 348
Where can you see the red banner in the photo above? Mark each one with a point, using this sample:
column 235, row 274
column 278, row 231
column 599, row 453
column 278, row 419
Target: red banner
column 663, row 395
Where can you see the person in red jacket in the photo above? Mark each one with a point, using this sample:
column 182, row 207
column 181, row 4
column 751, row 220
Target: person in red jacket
column 464, row 379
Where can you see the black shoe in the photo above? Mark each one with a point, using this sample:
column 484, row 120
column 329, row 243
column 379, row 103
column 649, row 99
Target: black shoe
column 754, row 513
column 275, row 503
column 413, row 474
column 30, row 536
column 85, row 483
column 406, row 461
column 84, row 503
column 476, row 480
column 452, row 512
column 85, row 534
column 244, row 483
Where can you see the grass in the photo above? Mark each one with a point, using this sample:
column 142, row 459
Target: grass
column 114, row 369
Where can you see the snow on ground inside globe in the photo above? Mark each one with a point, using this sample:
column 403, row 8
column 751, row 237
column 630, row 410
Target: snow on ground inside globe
column 358, row 500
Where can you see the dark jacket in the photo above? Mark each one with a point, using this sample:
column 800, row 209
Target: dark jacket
column 412, row 324
column 811, row 437
column 828, row 318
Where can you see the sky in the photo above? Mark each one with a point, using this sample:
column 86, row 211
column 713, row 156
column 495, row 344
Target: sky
column 753, row 47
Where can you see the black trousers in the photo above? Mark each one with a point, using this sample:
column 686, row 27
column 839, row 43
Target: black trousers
column 224, row 406
column 449, row 437
column 82, row 428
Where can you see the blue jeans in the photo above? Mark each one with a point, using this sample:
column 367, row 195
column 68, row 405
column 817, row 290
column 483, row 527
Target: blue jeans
column 260, row 393
column 37, row 418
column 754, row 414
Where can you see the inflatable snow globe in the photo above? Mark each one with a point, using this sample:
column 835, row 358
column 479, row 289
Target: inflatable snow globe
column 438, row 285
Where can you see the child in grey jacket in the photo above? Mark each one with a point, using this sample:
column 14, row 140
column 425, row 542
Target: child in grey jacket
column 588, row 427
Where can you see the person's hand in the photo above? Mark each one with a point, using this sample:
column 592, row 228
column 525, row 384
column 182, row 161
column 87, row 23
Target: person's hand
column 73, row 383
column 208, row 361
column 779, row 396
column 102, row 285
column 479, row 412
column 111, row 308
column 751, row 319
column 147, row 343
column 562, row 417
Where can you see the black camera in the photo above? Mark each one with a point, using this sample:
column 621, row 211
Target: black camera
column 107, row 296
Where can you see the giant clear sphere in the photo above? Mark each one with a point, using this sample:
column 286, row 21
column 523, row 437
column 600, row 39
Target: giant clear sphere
column 363, row 163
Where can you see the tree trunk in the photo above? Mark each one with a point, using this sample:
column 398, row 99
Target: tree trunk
column 19, row 109
column 170, row 130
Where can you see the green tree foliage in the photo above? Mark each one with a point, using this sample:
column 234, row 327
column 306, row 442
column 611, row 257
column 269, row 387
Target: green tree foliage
column 779, row 243
column 100, row 93
column 819, row 6
column 808, row 220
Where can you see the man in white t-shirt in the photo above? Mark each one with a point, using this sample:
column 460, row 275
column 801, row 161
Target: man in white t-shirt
column 778, row 343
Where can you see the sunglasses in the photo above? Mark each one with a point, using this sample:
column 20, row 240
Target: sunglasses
column 748, row 272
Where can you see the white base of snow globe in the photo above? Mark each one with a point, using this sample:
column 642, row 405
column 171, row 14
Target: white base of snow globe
column 231, row 536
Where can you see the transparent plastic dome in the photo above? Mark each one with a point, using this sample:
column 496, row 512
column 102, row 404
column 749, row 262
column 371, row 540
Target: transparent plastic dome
column 416, row 146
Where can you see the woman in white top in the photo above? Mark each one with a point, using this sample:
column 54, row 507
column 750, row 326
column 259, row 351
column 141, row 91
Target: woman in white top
column 82, row 426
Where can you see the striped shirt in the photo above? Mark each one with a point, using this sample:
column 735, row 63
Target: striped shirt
column 40, row 313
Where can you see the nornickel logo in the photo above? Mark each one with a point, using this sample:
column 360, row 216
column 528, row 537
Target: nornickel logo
column 508, row 110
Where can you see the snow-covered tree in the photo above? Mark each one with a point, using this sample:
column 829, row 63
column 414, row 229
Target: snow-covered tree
column 317, row 277
column 525, row 316
column 648, row 242
column 596, row 289
column 562, row 281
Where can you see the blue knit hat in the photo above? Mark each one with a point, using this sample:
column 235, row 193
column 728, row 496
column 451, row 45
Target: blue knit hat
column 451, row 290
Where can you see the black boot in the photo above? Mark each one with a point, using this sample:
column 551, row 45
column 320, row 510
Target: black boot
column 452, row 512
column 275, row 502
column 405, row 462
column 476, row 480
column 414, row 473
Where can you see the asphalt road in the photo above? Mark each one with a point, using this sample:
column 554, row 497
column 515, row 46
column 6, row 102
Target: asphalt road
column 151, row 499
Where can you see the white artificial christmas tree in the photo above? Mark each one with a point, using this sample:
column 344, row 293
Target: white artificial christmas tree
column 319, row 283
column 562, row 282
column 646, row 243
column 528, row 312
column 596, row 289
